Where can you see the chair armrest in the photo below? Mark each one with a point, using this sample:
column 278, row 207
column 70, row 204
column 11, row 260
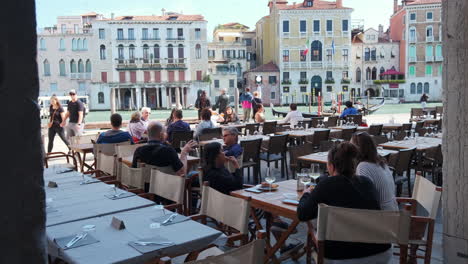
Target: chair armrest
column 405, row 200
column 115, row 182
column 164, row 260
column 97, row 172
column 197, row 217
column 235, row 237
column 422, row 219
column 409, row 204
column 246, row 186
column 148, row 196
column 107, row 178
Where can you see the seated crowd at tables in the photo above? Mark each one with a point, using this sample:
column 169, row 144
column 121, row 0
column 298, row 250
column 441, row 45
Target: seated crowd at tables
column 357, row 176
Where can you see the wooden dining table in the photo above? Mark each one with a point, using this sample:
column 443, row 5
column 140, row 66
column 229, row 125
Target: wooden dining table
column 82, row 149
column 420, row 143
column 322, row 157
column 271, row 203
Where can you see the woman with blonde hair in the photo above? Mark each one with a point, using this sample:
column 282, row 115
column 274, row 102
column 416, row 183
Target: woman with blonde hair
column 260, row 115
column 136, row 127
column 56, row 116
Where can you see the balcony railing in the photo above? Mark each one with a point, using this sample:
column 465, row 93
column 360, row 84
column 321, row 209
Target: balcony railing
column 124, row 39
column 389, row 81
column 176, row 38
column 438, row 58
column 412, row 59
column 430, row 39
column 150, row 38
column 429, row 58
column 303, row 81
column 80, row 75
column 286, row 81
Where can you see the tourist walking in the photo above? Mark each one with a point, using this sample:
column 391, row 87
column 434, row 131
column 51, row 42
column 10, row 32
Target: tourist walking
column 75, row 111
column 222, row 102
column 57, row 114
column 246, row 102
column 201, row 103
column 423, row 100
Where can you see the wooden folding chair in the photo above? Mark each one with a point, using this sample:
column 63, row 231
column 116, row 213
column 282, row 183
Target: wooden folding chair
column 170, row 187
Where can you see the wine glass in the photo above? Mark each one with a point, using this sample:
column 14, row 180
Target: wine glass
column 260, row 130
column 406, row 135
column 315, row 172
column 305, row 179
column 270, row 177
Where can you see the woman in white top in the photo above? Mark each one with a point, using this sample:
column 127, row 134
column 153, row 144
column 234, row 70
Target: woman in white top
column 293, row 117
column 371, row 165
column 205, row 123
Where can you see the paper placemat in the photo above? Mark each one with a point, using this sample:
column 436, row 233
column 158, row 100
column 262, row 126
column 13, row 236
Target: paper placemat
column 151, row 247
column 178, row 219
column 63, row 241
column 119, row 195
column 89, row 181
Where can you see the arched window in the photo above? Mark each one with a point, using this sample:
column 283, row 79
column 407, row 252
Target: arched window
column 46, row 65
column 198, row 51
column 62, row 71
column 180, row 52
column 100, row 96
column 413, row 88
column 79, row 44
column 374, row 73
column 420, row 88
column 74, row 44
column 412, row 53
column 120, row 51
column 80, row 66
column 368, row 73
column 145, row 53
column 72, row 66
column 382, row 53
column 426, row 88
column 131, row 53
column 42, row 44
column 156, row 53
column 85, row 44
column 358, row 75
column 62, row 44
column 316, row 51
column 102, row 52
column 367, row 54
column 412, row 35
column 88, row 65
column 170, row 53
column 439, row 52
column 429, row 53
column 429, row 33
column 382, row 70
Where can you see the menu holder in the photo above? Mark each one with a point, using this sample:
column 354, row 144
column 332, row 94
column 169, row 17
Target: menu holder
column 117, row 223
column 52, row 184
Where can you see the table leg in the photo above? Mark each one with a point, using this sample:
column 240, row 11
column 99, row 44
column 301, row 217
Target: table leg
column 272, row 250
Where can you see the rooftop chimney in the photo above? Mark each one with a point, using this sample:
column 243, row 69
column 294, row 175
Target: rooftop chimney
column 163, row 11
column 395, row 6
column 339, row 3
column 381, row 31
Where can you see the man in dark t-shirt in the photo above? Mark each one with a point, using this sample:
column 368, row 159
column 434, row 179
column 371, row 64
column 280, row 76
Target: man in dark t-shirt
column 75, row 111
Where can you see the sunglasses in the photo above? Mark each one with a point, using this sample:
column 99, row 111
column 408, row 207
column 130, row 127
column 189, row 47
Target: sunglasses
column 72, row 94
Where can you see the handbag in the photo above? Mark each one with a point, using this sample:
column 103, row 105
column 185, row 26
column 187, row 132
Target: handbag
column 51, row 122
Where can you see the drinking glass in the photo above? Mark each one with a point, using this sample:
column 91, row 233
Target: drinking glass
column 305, row 179
column 306, row 126
column 315, row 172
column 406, row 135
column 270, row 177
column 182, row 144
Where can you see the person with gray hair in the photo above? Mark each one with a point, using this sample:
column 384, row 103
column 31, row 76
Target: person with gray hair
column 231, row 146
column 222, row 102
column 145, row 112
column 158, row 153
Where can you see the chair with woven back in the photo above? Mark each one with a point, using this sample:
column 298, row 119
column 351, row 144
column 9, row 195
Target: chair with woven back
column 439, row 111
column 251, row 157
column 379, row 139
column 416, row 114
column 317, row 137
column 56, row 155
column 316, row 121
column 357, row 119
column 361, row 226
column 231, row 216
column 419, row 128
column 276, row 151
column 347, row 133
column 178, row 136
column 401, row 165
column 250, row 129
column 431, row 162
column 332, row 121
column 424, row 206
column 170, row 187
column 269, row 127
column 294, row 153
column 210, row 133
column 375, row 130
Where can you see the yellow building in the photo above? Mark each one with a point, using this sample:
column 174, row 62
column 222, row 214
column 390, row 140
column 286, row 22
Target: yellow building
column 310, row 41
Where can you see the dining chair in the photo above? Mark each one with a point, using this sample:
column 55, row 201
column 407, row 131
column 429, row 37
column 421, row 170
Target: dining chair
column 375, row 130
column 332, row 121
column 294, row 153
column 122, row 151
column 317, row 137
column 251, row 158
column 347, row 133
column 316, row 120
column 400, row 166
column 170, row 187
column 210, row 133
column 178, row 136
column 250, row 129
column 357, row 119
column 56, row 155
column 269, row 127
column 276, row 151
column 361, row 226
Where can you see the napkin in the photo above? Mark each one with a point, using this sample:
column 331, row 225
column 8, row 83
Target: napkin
column 63, row 241
column 150, row 247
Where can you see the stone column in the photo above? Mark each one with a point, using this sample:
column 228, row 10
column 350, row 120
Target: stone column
column 138, row 97
column 112, row 98
column 23, row 198
column 169, row 97
column 157, row 97
column 185, row 97
column 455, row 130
column 177, row 96
column 119, row 103
column 144, row 97
column 132, row 98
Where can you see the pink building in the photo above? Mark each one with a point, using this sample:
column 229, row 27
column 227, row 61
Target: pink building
column 269, row 84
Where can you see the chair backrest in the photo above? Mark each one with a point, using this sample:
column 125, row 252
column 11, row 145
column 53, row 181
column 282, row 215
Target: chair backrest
column 269, row 127
column 251, row 128
column 122, row 151
column 406, row 127
column 439, row 110
column 316, row 120
column 332, row 121
column 379, row 139
column 357, row 119
column 178, row 136
column 399, row 135
column 419, row 128
column 427, row 194
column 251, row 253
column 325, row 146
column 301, row 150
column 83, row 139
column 404, row 160
column 277, row 144
column 210, row 133
column 362, row 226
column 132, row 177
column 168, row 186
column 251, row 150
column 375, row 130
column 347, row 133
column 147, row 168
column 319, row 136
column 226, row 209
column 106, row 163
column 417, row 112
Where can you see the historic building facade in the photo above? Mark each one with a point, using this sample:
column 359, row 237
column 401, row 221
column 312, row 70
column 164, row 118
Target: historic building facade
column 311, row 43
column 417, row 25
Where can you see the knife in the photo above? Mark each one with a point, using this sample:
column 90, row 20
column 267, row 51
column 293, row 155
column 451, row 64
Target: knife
column 75, row 239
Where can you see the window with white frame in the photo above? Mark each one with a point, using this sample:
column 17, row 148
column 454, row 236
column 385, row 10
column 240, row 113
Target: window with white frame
column 412, row 17
column 329, row 55
column 62, row 44
column 197, row 33
column 429, row 16
column 273, row 95
column 42, row 44
column 329, row 26
column 285, row 55
column 345, row 55
column 102, row 33
column 429, row 33
column 303, row 26
column 285, row 26
column 198, row 52
column 412, row 34
column 345, row 25
column 46, row 66
column 316, row 26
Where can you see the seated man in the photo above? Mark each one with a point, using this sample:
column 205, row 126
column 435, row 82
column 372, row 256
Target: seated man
column 177, row 124
column 231, row 146
column 157, row 153
column 115, row 135
column 293, row 117
column 349, row 110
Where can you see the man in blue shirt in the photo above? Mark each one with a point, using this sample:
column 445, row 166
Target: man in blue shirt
column 115, row 135
column 231, row 146
column 349, row 110
column 177, row 125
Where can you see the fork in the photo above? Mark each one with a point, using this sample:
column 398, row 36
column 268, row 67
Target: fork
column 76, row 239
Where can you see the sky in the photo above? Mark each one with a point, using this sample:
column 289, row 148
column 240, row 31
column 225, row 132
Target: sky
column 247, row 12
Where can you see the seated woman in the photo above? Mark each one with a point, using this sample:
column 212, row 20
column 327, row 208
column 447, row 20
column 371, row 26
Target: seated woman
column 260, row 115
column 372, row 166
column 229, row 116
column 205, row 123
column 349, row 110
column 344, row 189
column 216, row 173
column 136, row 127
